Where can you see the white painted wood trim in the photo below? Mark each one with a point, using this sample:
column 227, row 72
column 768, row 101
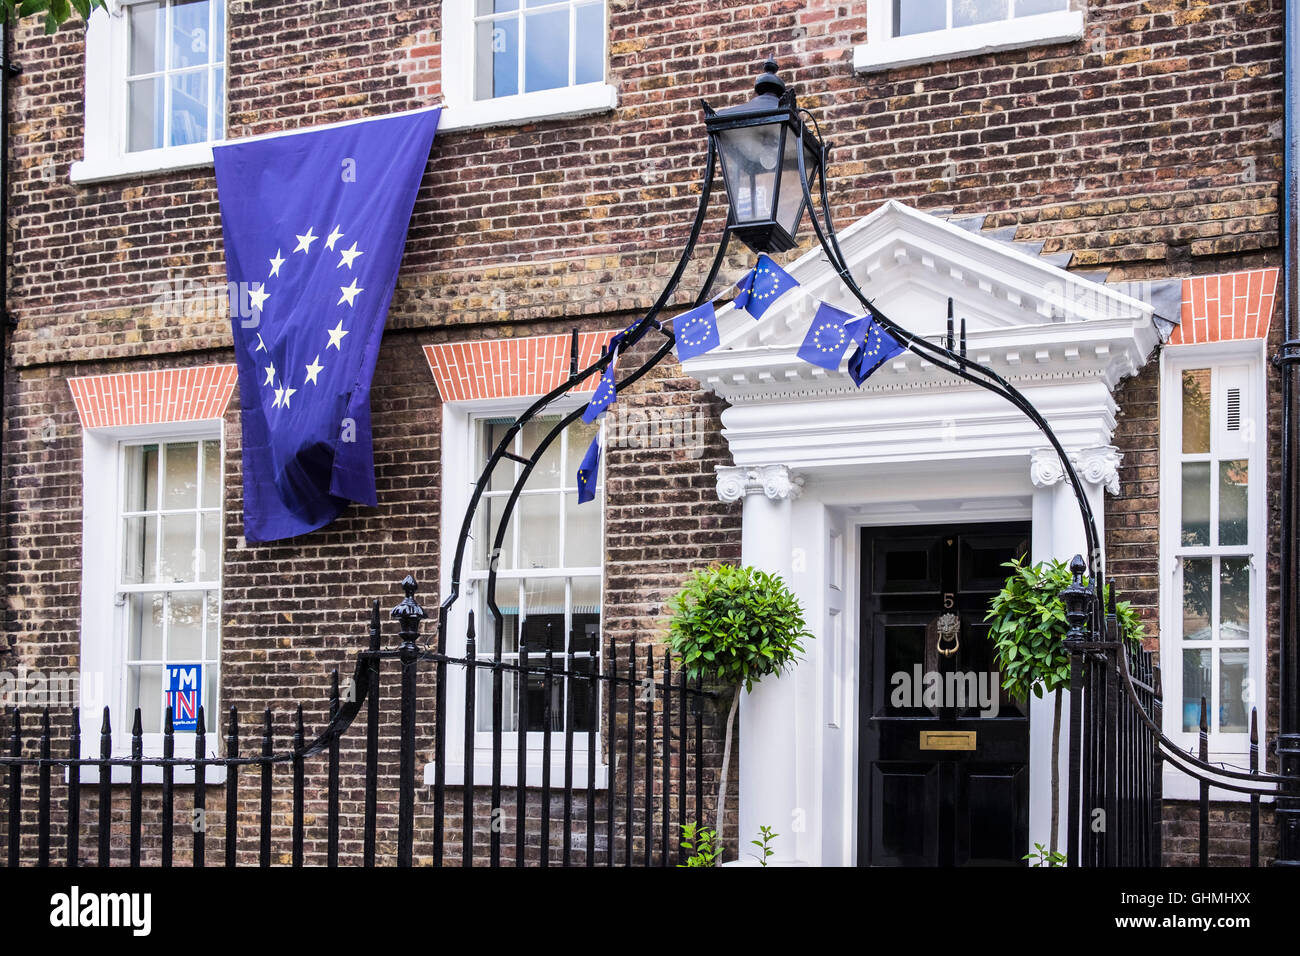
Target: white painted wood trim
column 890, row 51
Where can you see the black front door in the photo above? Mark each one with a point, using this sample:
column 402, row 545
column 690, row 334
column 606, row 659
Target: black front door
column 944, row 764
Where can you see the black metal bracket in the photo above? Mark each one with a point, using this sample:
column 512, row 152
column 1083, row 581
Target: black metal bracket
column 1288, row 354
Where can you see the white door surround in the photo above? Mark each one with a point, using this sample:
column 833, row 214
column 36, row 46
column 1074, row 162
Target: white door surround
column 817, row 458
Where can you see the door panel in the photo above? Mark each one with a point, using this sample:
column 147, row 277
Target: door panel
column 943, row 772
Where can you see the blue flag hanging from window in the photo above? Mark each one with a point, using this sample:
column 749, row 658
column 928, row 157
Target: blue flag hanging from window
column 696, row 331
column 875, row 348
column 314, row 226
column 827, row 338
column 588, row 471
column 606, row 393
column 762, row 286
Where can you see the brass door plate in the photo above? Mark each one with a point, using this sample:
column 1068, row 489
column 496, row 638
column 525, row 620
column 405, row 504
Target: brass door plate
column 947, row 740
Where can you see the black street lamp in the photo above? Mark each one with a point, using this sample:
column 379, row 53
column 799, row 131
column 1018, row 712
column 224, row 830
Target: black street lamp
column 758, row 143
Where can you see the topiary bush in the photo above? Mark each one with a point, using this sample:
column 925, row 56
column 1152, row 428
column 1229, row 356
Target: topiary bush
column 734, row 626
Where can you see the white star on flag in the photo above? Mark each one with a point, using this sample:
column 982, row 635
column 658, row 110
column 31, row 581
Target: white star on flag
column 314, row 369
column 279, row 397
column 332, row 238
column 276, row 263
column 305, row 241
column 258, row 296
column 261, row 346
column 348, row 255
column 288, row 393
column 349, row 293
column 270, row 374
column 336, row 336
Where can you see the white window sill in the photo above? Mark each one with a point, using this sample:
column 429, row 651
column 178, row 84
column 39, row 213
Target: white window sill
column 151, row 774
column 146, row 162
column 530, row 107
column 1014, row 34
column 455, row 774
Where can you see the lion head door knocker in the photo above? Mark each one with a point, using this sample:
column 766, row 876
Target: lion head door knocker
column 946, row 629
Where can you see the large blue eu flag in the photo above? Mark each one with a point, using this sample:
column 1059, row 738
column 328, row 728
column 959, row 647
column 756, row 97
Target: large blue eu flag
column 314, row 226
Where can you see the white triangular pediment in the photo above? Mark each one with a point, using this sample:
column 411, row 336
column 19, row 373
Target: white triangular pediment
column 1025, row 317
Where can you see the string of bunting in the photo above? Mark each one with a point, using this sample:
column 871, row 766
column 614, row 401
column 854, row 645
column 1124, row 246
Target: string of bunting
column 829, row 336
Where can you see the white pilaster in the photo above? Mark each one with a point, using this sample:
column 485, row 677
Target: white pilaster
column 768, row 750
column 1058, row 532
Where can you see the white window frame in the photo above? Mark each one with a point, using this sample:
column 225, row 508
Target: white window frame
column 463, row 111
column 884, row 51
column 104, row 152
column 459, row 472
column 1231, row 748
column 103, row 617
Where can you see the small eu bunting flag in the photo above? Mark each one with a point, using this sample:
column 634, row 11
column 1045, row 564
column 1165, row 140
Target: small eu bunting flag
column 696, row 331
column 762, row 286
column 605, row 395
column 588, row 469
column 875, row 348
column 828, row 337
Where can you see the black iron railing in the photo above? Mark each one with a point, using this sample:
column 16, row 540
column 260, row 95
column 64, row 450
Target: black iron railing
column 1119, row 753
column 646, row 740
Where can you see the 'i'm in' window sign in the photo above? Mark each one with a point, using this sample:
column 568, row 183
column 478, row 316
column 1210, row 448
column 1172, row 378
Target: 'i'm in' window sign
column 184, row 691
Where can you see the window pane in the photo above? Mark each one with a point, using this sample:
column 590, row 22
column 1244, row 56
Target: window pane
column 219, row 32
column 178, row 548
column 496, row 6
column 582, row 544
column 145, row 690
column 539, row 531
column 145, row 114
column 919, row 16
column 191, row 43
column 180, row 479
column 509, row 702
column 1196, row 502
column 1234, row 501
column 546, row 50
column 546, row 473
column 211, row 677
column 503, row 475
column 580, row 435
column 219, row 109
column 185, row 627
column 497, row 72
column 1196, row 599
column 189, row 114
column 584, row 636
column 212, row 641
column 590, row 45
column 1234, row 599
column 1196, row 411
column 967, row 13
column 141, row 489
column 536, row 703
column 211, row 474
column 209, row 556
column 543, row 624
column 146, row 26
column 585, row 697
column 139, row 550
column 145, row 627
column 485, row 531
column 1196, row 684
column 1234, row 691
column 790, row 200
column 1025, row 8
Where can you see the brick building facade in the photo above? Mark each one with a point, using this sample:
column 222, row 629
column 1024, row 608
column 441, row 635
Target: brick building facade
column 1129, row 141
